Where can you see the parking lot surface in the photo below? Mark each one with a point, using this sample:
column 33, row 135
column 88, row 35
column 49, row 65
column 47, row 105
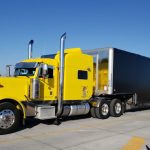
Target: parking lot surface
column 128, row 132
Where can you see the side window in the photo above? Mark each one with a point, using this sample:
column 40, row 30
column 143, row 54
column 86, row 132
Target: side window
column 40, row 73
column 83, row 75
column 50, row 72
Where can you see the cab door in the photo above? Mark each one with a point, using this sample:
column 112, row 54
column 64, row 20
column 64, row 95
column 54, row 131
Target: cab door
column 47, row 84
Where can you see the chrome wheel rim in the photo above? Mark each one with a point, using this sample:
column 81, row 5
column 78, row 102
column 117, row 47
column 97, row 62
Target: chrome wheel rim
column 7, row 118
column 105, row 109
column 118, row 108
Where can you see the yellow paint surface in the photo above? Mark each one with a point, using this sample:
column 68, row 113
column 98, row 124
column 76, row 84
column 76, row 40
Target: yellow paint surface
column 135, row 143
column 74, row 88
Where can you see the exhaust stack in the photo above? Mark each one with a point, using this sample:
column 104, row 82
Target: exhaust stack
column 61, row 82
column 30, row 48
column 8, row 74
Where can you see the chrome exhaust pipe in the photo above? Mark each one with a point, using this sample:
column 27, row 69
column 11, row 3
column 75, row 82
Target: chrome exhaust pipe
column 30, row 48
column 61, row 82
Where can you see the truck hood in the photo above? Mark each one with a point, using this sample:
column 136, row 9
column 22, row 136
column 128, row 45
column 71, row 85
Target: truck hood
column 14, row 87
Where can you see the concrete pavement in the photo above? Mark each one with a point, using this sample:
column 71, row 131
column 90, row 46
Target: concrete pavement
column 128, row 132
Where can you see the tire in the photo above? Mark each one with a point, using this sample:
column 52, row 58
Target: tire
column 11, row 116
column 123, row 108
column 92, row 111
column 102, row 112
column 116, row 108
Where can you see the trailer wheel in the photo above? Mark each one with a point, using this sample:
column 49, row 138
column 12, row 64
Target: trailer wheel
column 102, row 112
column 93, row 114
column 116, row 108
column 9, row 118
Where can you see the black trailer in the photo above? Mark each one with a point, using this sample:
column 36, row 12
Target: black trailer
column 118, row 73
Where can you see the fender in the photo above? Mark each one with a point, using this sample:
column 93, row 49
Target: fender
column 17, row 101
column 95, row 101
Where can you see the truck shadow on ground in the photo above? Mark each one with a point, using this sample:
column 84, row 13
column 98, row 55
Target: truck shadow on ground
column 138, row 109
column 32, row 122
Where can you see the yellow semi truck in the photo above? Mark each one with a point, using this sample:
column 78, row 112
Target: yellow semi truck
column 71, row 82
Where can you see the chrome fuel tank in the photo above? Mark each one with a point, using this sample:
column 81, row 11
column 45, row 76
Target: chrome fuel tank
column 74, row 110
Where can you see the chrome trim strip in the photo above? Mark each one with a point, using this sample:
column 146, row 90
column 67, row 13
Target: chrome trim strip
column 110, row 71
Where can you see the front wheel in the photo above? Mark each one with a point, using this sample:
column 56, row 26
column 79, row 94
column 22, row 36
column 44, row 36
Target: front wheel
column 9, row 118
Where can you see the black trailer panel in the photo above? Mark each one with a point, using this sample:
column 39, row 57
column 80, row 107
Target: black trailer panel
column 127, row 74
column 131, row 74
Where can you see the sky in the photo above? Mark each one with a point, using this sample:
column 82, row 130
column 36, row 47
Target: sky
column 89, row 24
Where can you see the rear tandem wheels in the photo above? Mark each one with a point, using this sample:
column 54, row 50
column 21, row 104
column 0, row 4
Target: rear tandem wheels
column 102, row 108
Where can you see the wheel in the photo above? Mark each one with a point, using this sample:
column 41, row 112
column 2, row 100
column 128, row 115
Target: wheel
column 93, row 114
column 116, row 108
column 123, row 108
column 9, row 118
column 102, row 112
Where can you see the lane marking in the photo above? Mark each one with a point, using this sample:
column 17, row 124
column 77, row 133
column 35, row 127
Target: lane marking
column 134, row 143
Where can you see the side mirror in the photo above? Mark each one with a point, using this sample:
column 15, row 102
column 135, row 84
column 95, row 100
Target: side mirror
column 45, row 70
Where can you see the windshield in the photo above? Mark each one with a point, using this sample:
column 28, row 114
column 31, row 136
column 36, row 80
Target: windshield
column 25, row 69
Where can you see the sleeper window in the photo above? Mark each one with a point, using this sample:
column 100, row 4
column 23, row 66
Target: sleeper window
column 83, row 75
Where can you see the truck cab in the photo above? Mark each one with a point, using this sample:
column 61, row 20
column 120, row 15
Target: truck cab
column 45, row 71
column 35, row 89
